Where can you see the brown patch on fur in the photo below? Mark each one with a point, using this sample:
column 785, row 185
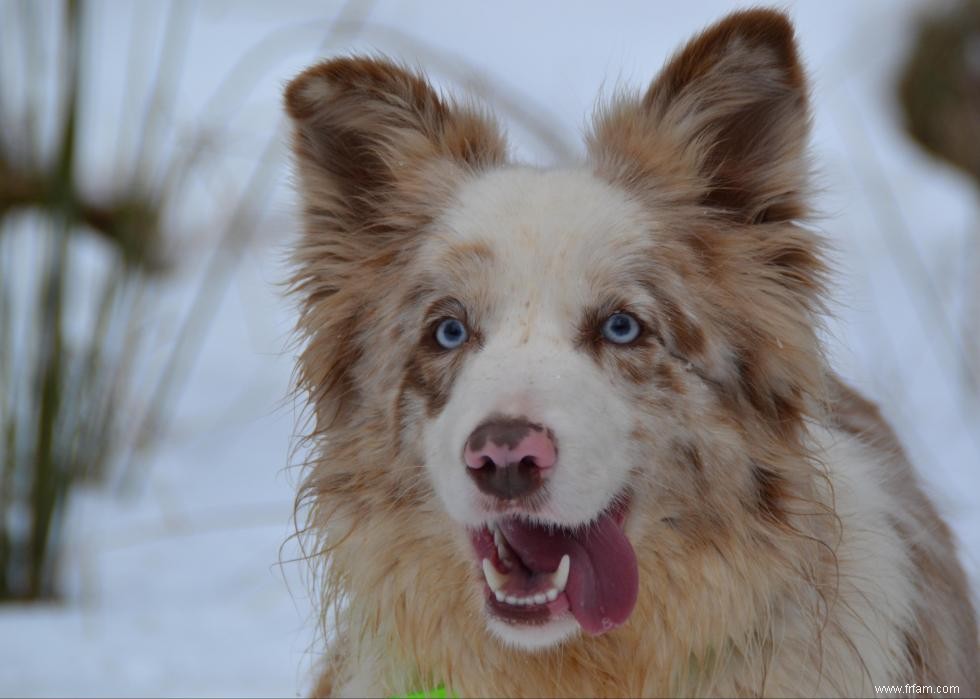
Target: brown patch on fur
column 856, row 415
column 943, row 617
column 325, row 368
column 640, row 433
column 475, row 253
column 765, row 29
column 415, row 295
column 794, row 262
column 689, row 455
column 683, row 336
column 430, row 380
column 503, row 431
column 781, row 408
column 327, row 681
column 667, row 379
column 705, row 249
column 913, row 650
column 688, row 338
column 635, row 365
column 589, row 336
column 770, row 490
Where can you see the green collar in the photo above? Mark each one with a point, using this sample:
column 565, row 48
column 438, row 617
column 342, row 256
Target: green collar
column 437, row 693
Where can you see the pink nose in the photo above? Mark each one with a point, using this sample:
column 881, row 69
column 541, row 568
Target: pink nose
column 507, row 457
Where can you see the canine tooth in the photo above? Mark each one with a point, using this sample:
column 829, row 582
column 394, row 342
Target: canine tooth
column 560, row 577
column 498, row 539
column 552, row 595
column 541, row 598
column 499, row 594
column 495, row 579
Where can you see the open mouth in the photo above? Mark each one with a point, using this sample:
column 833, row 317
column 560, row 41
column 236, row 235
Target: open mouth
column 537, row 573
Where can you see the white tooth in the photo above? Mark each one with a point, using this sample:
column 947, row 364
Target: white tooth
column 499, row 594
column 560, row 577
column 495, row 579
column 541, row 598
column 510, row 599
column 522, row 601
column 552, row 595
column 498, row 539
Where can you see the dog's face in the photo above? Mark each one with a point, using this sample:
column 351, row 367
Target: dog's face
column 581, row 360
column 540, row 333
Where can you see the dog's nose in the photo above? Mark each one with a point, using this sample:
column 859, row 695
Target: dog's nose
column 509, row 457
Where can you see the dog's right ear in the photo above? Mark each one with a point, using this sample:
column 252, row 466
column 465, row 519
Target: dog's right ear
column 377, row 148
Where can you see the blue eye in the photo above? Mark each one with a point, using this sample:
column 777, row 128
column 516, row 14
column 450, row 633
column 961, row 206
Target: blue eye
column 621, row 328
column 451, row 333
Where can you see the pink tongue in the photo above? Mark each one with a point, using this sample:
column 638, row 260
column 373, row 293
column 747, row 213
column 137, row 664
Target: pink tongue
column 603, row 579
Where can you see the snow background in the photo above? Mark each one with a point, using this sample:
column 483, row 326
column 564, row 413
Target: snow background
column 176, row 588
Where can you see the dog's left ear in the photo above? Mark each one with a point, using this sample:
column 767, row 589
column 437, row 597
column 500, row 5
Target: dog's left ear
column 724, row 125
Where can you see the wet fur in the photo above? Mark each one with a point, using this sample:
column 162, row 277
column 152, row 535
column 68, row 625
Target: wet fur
column 785, row 547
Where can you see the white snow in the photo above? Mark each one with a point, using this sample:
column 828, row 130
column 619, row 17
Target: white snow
column 175, row 589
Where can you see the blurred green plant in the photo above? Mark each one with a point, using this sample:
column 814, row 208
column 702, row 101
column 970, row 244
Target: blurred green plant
column 939, row 87
column 58, row 398
column 939, row 94
column 82, row 389
column 59, row 395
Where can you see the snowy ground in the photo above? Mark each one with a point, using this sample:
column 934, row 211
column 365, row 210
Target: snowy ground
column 176, row 589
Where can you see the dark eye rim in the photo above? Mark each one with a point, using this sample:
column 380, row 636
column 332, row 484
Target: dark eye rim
column 641, row 329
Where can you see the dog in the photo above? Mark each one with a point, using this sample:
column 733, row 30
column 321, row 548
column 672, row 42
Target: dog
column 573, row 432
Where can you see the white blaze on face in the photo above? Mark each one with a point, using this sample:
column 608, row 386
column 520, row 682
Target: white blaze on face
column 559, row 239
